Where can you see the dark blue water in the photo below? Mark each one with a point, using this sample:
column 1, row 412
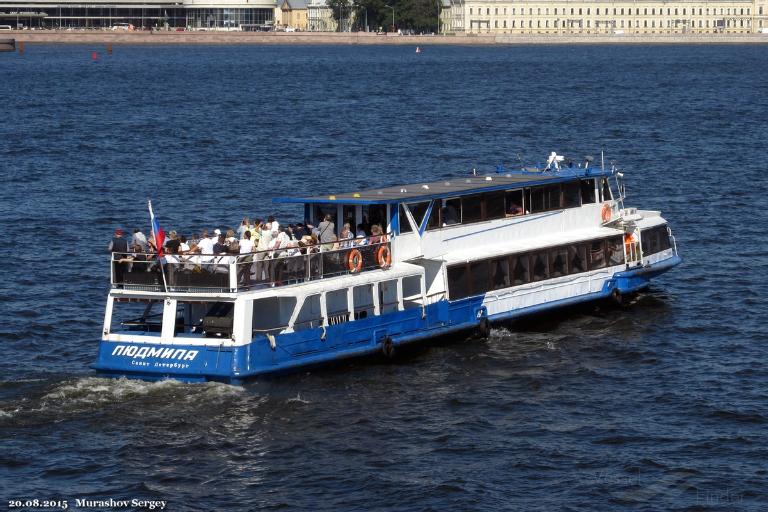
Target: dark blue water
column 657, row 405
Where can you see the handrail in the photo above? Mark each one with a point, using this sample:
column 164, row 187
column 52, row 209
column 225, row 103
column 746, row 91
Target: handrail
column 195, row 272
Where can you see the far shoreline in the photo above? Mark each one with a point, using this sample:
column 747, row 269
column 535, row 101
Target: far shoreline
column 361, row 38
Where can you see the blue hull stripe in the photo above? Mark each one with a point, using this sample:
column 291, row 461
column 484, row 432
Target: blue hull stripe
column 346, row 340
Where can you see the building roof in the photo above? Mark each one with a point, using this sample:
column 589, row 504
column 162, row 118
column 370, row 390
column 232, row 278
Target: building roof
column 293, row 4
column 450, row 187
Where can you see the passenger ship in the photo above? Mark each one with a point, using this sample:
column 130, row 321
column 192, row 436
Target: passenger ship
column 457, row 255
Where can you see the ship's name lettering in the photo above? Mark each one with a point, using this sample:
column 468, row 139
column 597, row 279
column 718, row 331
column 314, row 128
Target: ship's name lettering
column 179, row 354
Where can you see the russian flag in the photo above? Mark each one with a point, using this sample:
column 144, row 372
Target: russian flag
column 157, row 232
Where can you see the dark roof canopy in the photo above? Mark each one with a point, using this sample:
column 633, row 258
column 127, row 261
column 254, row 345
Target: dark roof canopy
column 449, row 187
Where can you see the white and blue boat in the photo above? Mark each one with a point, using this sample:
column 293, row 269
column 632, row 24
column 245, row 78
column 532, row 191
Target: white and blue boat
column 457, row 255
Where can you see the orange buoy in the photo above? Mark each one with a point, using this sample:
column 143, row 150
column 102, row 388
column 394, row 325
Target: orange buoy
column 354, row 261
column 605, row 213
column 384, row 256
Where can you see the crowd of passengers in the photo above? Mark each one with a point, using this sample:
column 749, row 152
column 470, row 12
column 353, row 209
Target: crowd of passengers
column 254, row 245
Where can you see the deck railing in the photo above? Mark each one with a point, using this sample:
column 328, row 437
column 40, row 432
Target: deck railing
column 241, row 272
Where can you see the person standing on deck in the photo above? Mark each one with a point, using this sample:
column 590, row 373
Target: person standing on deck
column 119, row 246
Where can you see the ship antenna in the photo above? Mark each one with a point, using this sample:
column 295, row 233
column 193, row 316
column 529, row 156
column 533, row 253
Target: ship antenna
column 602, row 159
column 520, row 159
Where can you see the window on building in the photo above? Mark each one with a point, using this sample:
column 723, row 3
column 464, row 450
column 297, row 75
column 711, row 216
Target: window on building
column 496, row 11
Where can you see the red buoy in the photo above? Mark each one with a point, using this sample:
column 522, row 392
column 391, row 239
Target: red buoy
column 94, row 56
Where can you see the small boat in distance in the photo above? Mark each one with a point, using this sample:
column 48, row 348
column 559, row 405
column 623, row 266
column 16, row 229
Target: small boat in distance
column 451, row 255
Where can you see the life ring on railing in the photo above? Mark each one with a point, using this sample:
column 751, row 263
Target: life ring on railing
column 384, row 256
column 606, row 212
column 354, row 261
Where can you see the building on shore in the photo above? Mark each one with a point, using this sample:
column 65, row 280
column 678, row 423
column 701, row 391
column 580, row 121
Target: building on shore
column 603, row 16
column 291, row 15
column 319, row 17
column 140, row 14
column 461, row 17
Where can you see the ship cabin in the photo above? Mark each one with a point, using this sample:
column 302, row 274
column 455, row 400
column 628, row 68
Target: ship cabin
column 441, row 241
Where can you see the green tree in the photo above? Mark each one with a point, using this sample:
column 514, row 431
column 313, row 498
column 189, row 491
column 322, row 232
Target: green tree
column 340, row 10
column 417, row 15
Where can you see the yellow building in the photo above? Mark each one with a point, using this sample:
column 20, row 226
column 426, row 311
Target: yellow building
column 291, row 15
column 603, row 16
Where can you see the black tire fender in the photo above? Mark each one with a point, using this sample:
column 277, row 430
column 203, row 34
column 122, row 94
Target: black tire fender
column 388, row 348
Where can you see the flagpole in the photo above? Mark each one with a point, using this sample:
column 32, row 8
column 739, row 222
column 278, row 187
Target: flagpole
column 154, row 236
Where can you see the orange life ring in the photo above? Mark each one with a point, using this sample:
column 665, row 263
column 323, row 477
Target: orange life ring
column 354, row 261
column 606, row 212
column 383, row 256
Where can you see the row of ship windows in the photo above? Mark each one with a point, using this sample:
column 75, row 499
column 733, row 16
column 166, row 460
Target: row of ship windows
column 505, row 203
column 478, row 277
column 655, row 240
column 620, row 11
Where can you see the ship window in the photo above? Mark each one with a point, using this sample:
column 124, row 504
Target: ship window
column 587, row 191
column 553, row 197
column 537, row 201
column 405, row 225
column 458, row 282
column 321, row 210
column 520, row 274
column 494, row 205
column 419, row 210
column 655, row 242
column 645, row 240
column 615, row 248
column 434, row 216
column 411, row 292
column 558, row 259
column 336, row 304
column 362, row 298
column 571, row 194
column 145, row 316
column 577, row 258
column 499, row 273
column 664, row 241
column 388, row 296
column 606, row 194
column 272, row 313
column 479, row 272
column 310, row 315
column 514, row 202
column 596, row 254
column 471, row 209
column 540, row 266
column 375, row 214
column 452, row 212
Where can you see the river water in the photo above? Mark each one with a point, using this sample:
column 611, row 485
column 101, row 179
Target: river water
column 656, row 405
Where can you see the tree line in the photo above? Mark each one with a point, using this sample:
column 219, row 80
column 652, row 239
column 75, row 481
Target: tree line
column 417, row 15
